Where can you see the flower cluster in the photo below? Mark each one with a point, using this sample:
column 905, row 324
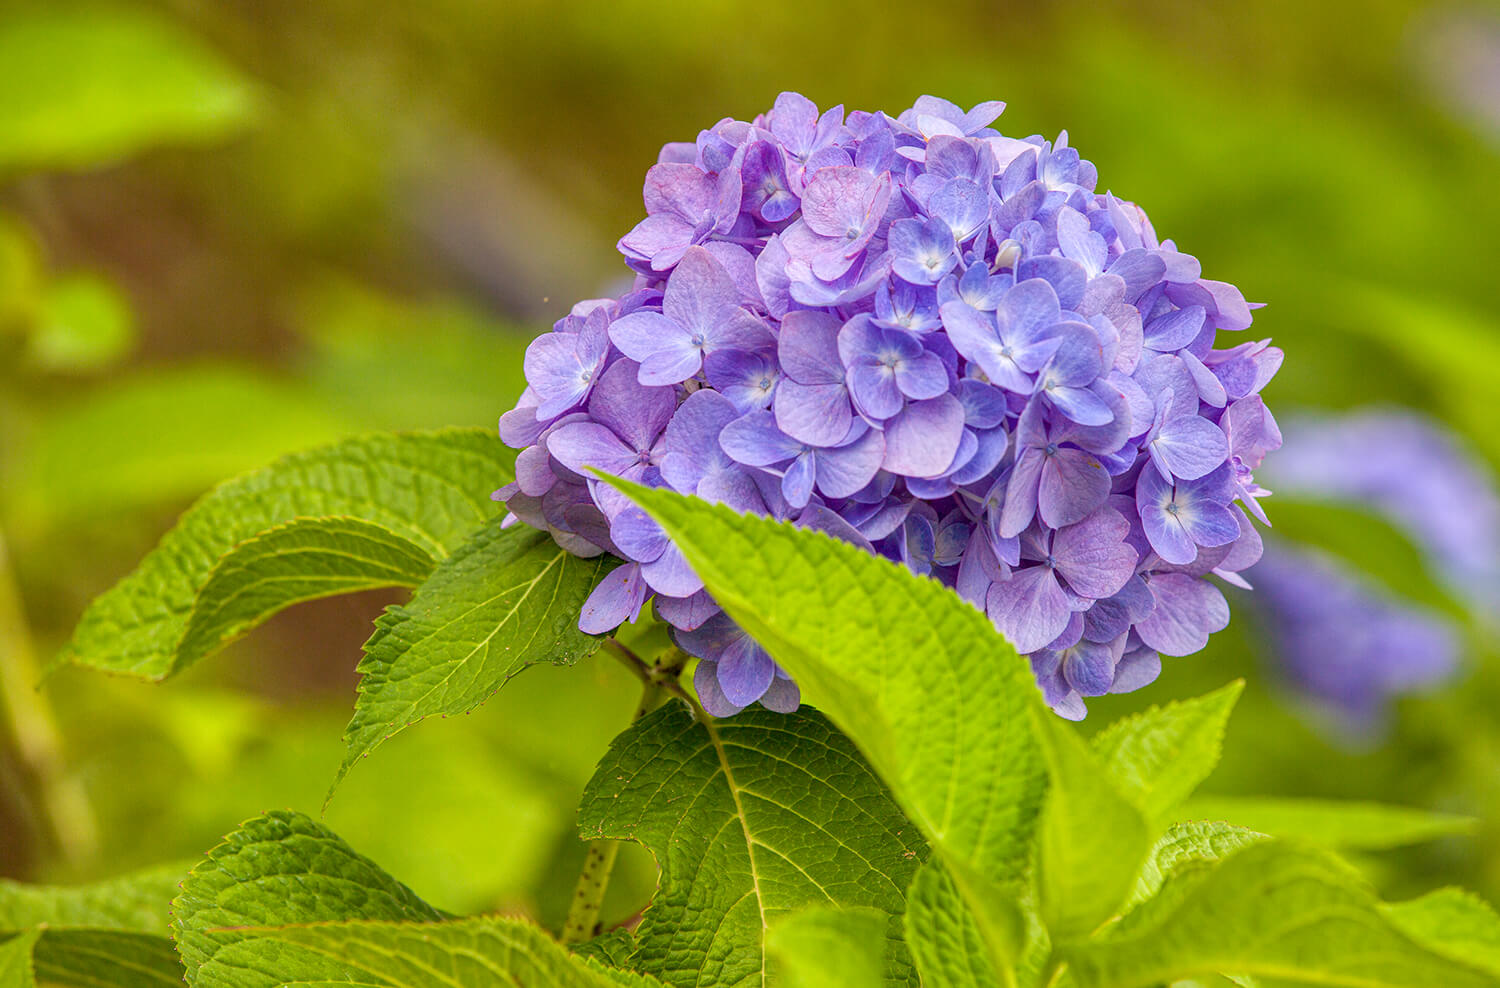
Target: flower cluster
column 926, row 338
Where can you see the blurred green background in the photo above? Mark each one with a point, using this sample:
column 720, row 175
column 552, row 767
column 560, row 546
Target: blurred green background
column 234, row 229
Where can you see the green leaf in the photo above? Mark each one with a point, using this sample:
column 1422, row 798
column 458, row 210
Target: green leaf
column 87, row 86
column 91, row 958
column 15, row 960
column 279, row 868
column 429, row 490
column 127, row 443
column 1185, row 845
column 85, row 323
column 1160, row 756
column 301, row 560
column 1331, row 823
column 136, row 902
column 945, row 941
column 508, row 599
column 822, row 945
column 1093, row 839
column 1290, row 914
column 471, row 953
column 111, row 932
column 1453, row 922
column 921, row 681
column 750, row 819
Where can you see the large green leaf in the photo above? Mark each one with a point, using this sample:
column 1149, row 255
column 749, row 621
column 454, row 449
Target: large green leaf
column 83, row 86
column 119, row 959
column 15, row 960
column 822, row 945
column 1187, row 845
column 1331, row 823
column 1093, row 839
column 1160, row 755
column 944, row 940
column 301, row 560
column 1453, row 922
column 111, row 932
column 276, row 869
column 428, row 491
column 508, row 599
column 1292, row 915
column 481, row 952
column 136, row 902
column 750, row 819
column 921, row 681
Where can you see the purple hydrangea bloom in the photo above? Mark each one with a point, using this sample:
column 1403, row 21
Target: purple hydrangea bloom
column 1345, row 644
column 937, row 342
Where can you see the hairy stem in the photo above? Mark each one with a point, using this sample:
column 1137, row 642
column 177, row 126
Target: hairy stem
column 61, row 805
column 658, row 681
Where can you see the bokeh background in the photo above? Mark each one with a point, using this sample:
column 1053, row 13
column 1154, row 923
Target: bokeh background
column 238, row 228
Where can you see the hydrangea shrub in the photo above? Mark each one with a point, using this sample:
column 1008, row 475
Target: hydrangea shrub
column 900, row 412
column 921, row 336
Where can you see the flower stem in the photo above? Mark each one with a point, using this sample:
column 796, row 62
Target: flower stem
column 658, row 681
column 61, row 805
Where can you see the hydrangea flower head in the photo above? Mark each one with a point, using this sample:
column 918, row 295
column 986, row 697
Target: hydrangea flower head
column 929, row 339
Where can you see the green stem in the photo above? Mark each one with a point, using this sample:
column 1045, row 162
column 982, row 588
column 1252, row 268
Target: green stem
column 62, row 804
column 658, row 681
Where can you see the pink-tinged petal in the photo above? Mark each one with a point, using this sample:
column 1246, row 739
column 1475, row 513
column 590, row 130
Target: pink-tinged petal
column 687, row 613
column 736, row 329
column 1071, row 486
column 581, row 445
column 1187, row 611
column 658, row 240
column 617, row 599
column 922, row 440
column 710, row 695
column 782, row 696
column 745, row 671
column 1234, row 314
column 845, row 470
column 1092, row 555
column 1030, row 608
column 698, row 290
column 771, row 276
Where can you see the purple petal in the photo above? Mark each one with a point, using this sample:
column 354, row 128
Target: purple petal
column 873, row 388
column 1187, row 611
column 922, row 439
column 1189, row 447
column 581, row 445
column 670, row 574
column 698, row 292
column 1072, row 484
column 633, row 411
column 1092, row 555
column 818, row 414
column 710, row 695
column 782, row 696
column 617, row 599
column 687, row 613
column 745, row 671
column 844, row 470
column 1022, row 491
column 1089, row 667
column 1030, row 608
column 1175, row 330
column 754, row 440
column 808, row 348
